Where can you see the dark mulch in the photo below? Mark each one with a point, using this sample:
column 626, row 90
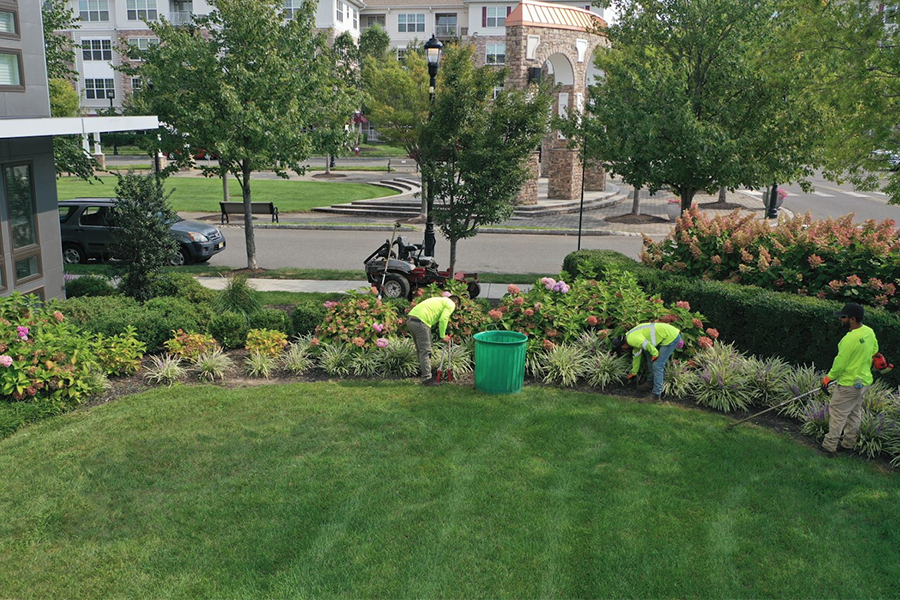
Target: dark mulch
column 328, row 175
column 724, row 206
column 631, row 219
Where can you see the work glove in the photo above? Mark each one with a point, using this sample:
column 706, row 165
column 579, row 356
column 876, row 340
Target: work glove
column 654, row 358
column 632, row 378
column 825, row 383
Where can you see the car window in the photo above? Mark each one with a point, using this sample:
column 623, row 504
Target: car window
column 95, row 215
column 65, row 212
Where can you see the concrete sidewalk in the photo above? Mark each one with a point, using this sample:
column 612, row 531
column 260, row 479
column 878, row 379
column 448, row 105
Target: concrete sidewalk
column 493, row 291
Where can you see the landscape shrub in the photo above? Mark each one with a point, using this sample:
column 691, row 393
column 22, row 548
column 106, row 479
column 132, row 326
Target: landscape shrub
column 266, row 342
column 459, row 360
column 164, row 315
column 467, row 320
column 109, row 315
column 564, row 364
column 400, row 357
column 606, row 368
column 334, row 359
column 89, row 285
column 801, row 330
column 306, row 316
column 230, row 330
column 189, row 345
column 44, row 357
column 182, row 285
column 359, row 320
column 832, row 258
column 119, row 354
column 238, row 296
column 270, row 318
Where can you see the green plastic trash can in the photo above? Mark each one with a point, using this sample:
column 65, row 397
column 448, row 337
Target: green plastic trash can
column 500, row 361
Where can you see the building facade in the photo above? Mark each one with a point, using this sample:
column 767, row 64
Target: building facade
column 30, row 245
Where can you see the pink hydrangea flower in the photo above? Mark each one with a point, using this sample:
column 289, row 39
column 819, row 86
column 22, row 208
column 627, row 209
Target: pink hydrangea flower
column 496, row 315
column 538, row 306
column 683, row 304
column 58, row 316
column 358, row 341
column 381, row 342
column 529, row 312
column 22, row 332
column 329, row 304
column 713, row 333
column 548, row 345
column 513, row 289
column 705, row 342
column 519, row 301
column 6, row 361
column 378, row 327
column 592, row 320
column 697, row 323
column 446, row 294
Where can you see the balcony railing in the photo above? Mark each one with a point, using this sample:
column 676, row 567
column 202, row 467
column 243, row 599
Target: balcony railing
column 445, row 31
column 181, row 18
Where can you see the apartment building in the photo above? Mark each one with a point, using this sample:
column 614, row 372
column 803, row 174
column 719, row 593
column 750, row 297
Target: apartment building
column 108, row 26
column 30, row 245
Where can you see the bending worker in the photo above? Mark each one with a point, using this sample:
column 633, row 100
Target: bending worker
column 422, row 318
column 659, row 340
column 852, row 371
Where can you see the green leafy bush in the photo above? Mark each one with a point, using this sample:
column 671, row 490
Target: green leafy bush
column 189, row 346
column 307, row 316
column 182, row 285
column 119, row 354
column 162, row 316
column 107, row 315
column 466, row 321
column 270, row 318
column 89, row 285
column 266, row 342
column 230, row 329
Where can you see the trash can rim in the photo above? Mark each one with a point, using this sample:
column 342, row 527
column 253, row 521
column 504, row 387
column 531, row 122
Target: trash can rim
column 484, row 337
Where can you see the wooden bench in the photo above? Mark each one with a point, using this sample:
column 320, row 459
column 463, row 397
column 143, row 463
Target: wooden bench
column 256, row 208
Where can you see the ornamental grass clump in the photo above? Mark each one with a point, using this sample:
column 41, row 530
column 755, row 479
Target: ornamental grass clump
column 593, row 341
column 564, row 364
column 680, row 379
column 873, row 433
column 165, row 370
column 880, row 396
column 721, row 380
column 460, row 360
column 815, row 419
column 604, row 369
column 260, row 365
column 400, row 357
column 799, row 381
column 334, row 359
column 766, row 378
column 212, row 365
column 239, row 297
column 299, row 357
column 367, row 363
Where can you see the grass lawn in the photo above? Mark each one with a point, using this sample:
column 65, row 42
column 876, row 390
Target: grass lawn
column 200, row 194
column 361, row 489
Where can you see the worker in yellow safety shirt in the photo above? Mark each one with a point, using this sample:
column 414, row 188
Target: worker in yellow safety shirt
column 852, row 371
column 659, row 340
column 422, row 318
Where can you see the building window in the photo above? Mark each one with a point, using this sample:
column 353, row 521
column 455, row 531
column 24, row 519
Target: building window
column 140, row 45
column 355, row 19
column 11, row 71
column 95, row 89
column 496, row 16
column 96, row 49
column 18, row 183
column 136, row 84
column 369, row 20
column 412, row 23
column 291, row 8
column 9, row 24
column 339, row 15
column 141, row 10
column 496, row 54
column 93, row 10
column 445, row 25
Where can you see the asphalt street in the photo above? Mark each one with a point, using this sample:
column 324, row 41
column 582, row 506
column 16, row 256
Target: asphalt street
column 343, row 250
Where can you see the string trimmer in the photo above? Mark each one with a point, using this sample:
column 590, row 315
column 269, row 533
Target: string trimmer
column 771, row 408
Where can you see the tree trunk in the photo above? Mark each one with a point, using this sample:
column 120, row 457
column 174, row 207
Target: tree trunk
column 248, row 216
column 452, row 255
column 636, row 204
column 328, row 164
column 722, row 192
column 687, row 198
column 224, row 185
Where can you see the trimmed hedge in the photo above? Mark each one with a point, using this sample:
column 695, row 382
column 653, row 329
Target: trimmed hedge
column 800, row 329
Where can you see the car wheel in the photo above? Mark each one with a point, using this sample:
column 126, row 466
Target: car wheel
column 395, row 286
column 73, row 254
column 180, row 258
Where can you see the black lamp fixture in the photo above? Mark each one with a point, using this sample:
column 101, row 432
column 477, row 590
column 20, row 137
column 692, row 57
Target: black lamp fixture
column 111, row 95
column 433, row 49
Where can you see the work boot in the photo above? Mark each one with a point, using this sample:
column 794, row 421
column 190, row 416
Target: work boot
column 645, row 386
column 432, row 382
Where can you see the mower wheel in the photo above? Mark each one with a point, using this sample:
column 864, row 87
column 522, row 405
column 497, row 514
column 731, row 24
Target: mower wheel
column 474, row 289
column 395, row 286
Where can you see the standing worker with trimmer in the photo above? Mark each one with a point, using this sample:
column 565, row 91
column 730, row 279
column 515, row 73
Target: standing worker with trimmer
column 422, row 318
column 852, row 371
column 659, row 340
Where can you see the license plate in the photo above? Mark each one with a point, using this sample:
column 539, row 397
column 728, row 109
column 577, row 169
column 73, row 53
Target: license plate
column 221, row 245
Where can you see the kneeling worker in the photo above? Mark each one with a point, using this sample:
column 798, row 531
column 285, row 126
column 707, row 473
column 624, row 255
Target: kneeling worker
column 422, row 318
column 659, row 340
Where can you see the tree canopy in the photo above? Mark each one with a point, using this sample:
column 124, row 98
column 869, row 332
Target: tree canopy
column 244, row 83
column 699, row 94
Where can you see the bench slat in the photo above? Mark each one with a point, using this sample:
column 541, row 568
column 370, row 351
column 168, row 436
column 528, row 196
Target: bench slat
column 256, row 208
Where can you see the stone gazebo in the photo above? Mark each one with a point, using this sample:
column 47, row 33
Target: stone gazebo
column 559, row 42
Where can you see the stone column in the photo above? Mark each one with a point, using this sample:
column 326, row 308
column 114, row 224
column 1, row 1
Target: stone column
column 594, row 177
column 97, row 152
column 529, row 192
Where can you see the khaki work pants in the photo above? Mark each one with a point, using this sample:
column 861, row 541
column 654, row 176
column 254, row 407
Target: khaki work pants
column 844, row 415
column 421, row 334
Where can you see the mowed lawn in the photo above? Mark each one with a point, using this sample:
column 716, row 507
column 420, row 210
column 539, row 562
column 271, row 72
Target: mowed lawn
column 199, row 194
column 383, row 489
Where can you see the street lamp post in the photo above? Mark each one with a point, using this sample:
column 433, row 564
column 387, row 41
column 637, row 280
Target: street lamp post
column 433, row 57
column 111, row 95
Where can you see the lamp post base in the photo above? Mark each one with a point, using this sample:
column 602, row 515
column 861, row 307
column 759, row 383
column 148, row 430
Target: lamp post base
column 429, row 237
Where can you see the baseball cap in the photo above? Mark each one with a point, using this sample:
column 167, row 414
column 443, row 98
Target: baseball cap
column 851, row 309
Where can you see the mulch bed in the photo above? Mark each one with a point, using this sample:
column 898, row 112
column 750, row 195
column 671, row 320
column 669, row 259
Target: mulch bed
column 724, row 206
column 631, row 219
column 328, row 175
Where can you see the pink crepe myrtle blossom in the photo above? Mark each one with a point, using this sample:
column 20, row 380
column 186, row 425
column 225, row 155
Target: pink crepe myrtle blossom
column 381, row 342
column 6, row 361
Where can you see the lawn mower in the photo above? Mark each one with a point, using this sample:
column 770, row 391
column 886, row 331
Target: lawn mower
column 399, row 273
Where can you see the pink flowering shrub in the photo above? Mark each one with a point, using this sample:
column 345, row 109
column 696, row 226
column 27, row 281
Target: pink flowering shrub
column 832, row 258
column 468, row 319
column 360, row 320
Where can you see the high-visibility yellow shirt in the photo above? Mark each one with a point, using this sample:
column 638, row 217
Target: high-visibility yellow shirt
column 648, row 337
column 854, row 358
column 434, row 310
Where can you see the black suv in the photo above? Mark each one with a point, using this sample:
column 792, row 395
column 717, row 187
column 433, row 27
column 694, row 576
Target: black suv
column 83, row 223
